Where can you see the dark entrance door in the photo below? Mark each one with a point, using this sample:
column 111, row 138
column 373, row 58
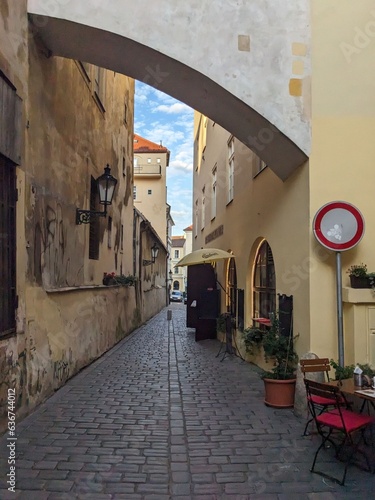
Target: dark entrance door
column 203, row 301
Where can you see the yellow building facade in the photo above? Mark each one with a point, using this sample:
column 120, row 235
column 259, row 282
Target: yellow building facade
column 239, row 203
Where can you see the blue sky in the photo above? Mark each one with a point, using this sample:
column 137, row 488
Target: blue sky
column 159, row 117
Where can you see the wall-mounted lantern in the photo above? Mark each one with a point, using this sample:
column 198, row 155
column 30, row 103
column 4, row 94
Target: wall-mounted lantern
column 154, row 254
column 106, row 187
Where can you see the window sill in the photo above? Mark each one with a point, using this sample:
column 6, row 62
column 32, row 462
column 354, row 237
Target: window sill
column 68, row 289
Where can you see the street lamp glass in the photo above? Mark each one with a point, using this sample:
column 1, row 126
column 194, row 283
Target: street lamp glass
column 106, row 186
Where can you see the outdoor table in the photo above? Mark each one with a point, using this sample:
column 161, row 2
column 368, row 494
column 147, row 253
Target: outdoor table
column 347, row 387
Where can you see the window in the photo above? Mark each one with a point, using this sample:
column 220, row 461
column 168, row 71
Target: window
column 148, row 160
column 230, row 169
column 149, row 191
column 258, row 166
column 99, row 85
column 231, row 295
column 123, row 166
column 264, row 284
column 196, row 218
column 203, row 213
column 8, row 198
column 109, row 228
column 158, row 160
column 134, row 192
column 176, row 270
column 213, row 203
column 176, row 254
column 122, row 238
column 126, row 112
column 85, row 69
column 94, row 223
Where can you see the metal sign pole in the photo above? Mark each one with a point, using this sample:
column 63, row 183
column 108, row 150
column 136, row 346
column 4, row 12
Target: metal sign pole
column 339, row 226
column 340, row 329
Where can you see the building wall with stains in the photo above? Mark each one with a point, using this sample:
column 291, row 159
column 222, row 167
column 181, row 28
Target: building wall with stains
column 75, row 120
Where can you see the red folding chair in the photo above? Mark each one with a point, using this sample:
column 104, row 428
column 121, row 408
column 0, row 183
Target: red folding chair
column 345, row 425
column 318, row 365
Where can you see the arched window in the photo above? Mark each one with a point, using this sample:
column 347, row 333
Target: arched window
column 264, row 284
column 176, row 285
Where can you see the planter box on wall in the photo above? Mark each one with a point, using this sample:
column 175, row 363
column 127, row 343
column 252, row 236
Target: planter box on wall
column 359, row 282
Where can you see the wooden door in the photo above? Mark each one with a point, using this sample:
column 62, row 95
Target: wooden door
column 203, row 298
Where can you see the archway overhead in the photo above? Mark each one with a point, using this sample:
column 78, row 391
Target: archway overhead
column 179, row 50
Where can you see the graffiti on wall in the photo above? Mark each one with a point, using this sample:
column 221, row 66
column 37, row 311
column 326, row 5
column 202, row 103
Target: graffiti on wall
column 61, row 370
column 52, row 261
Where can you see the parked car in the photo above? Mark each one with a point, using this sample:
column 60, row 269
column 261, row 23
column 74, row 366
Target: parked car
column 176, row 296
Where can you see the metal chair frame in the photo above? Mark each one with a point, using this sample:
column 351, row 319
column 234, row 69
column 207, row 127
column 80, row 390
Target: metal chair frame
column 349, row 426
column 317, row 365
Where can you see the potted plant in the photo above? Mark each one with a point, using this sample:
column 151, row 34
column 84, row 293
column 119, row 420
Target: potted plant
column 280, row 381
column 358, row 276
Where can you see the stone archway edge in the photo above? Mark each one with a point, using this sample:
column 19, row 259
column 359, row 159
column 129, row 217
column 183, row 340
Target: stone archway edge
column 272, row 127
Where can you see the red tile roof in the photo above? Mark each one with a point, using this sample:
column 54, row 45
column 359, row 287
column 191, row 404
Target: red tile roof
column 142, row 145
column 178, row 241
column 189, row 228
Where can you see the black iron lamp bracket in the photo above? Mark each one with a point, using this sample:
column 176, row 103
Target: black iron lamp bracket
column 148, row 262
column 86, row 216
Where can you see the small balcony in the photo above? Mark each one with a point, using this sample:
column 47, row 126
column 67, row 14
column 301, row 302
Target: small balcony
column 147, row 170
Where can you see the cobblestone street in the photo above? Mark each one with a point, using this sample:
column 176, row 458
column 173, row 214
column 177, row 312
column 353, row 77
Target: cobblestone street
column 161, row 417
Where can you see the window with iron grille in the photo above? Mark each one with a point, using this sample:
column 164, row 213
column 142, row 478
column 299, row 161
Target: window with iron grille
column 8, row 200
column 94, row 222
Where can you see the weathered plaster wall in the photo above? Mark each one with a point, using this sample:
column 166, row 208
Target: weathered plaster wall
column 65, row 318
column 66, row 331
column 152, row 276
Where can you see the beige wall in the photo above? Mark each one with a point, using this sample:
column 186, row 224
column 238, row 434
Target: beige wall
column 340, row 168
column 343, row 151
column 154, row 205
column 262, row 208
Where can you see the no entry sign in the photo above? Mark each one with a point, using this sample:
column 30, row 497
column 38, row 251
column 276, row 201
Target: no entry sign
column 339, row 226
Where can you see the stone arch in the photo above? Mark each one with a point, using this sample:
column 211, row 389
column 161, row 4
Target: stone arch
column 203, row 67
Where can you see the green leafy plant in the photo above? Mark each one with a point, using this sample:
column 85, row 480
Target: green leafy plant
column 120, row 279
column 371, row 278
column 221, row 323
column 343, row 372
column 358, row 270
column 128, row 280
column 252, row 337
column 277, row 347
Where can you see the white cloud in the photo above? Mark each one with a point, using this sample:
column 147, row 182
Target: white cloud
column 175, row 108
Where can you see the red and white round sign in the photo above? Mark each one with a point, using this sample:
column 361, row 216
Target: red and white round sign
column 339, row 226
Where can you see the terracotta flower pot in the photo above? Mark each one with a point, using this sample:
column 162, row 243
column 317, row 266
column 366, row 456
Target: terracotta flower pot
column 279, row 393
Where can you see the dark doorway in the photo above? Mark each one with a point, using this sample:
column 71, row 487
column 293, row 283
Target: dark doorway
column 203, row 301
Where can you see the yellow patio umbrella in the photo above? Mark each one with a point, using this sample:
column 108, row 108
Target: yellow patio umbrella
column 203, row 256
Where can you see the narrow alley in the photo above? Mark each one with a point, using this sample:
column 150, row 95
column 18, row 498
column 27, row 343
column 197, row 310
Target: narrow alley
column 160, row 416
